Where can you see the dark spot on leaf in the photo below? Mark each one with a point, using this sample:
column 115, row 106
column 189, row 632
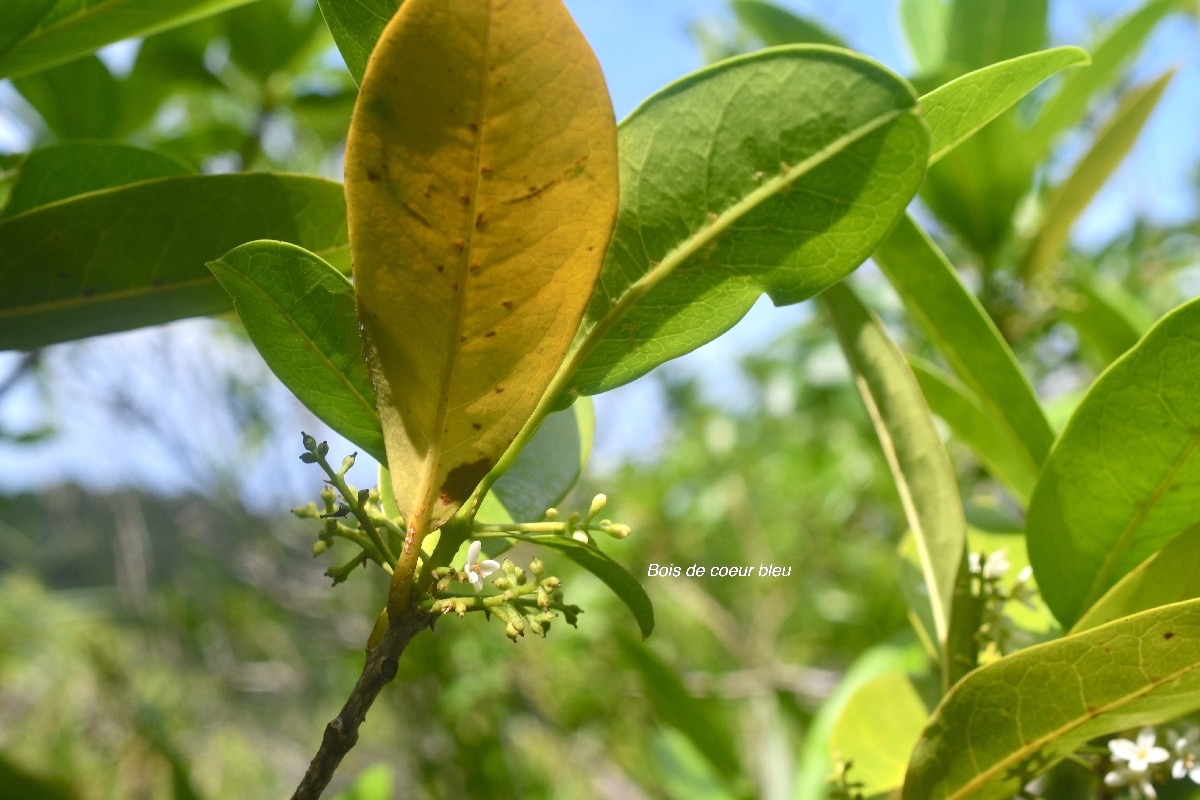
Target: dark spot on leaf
column 372, row 176
column 462, row 480
column 454, row 286
column 489, row 334
column 507, row 303
column 441, row 267
column 460, row 244
column 476, row 426
column 475, row 267
column 499, row 389
column 1169, row 635
column 485, row 171
column 473, row 128
column 466, row 199
column 62, row 274
column 462, row 339
column 479, row 220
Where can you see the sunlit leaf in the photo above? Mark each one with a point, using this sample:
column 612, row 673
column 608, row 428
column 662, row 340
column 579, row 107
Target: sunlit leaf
column 1168, row 576
column 73, row 28
column 1123, row 479
column 1011, row 720
column 777, row 172
column 481, row 195
column 59, row 171
column 624, row 585
column 961, row 329
column 299, row 312
column 1067, row 106
column 78, row 100
column 956, row 110
column 879, row 743
column 134, row 256
column 356, row 26
column 19, row 18
column 920, row 468
column 1072, row 196
column 774, row 25
column 1108, row 318
column 925, row 23
column 550, row 464
column 984, row 32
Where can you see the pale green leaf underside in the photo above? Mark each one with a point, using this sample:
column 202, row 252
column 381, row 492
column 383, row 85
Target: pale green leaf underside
column 777, row 172
column 135, row 256
column 920, row 466
column 1123, row 478
column 549, row 465
column 299, row 312
column 1011, row 720
column 73, row 28
column 879, row 744
column 774, row 25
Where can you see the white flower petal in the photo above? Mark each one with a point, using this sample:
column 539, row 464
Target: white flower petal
column 1178, row 770
column 488, row 567
column 1194, row 774
column 1122, row 749
column 1146, row 738
column 1157, row 755
column 476, row 581
column 1114, row 779
column 473, row 551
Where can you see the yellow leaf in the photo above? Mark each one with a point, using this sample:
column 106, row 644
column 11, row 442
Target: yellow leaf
column 481, row 180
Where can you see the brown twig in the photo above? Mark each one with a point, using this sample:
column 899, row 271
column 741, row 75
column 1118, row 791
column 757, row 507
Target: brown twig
column 342, row 733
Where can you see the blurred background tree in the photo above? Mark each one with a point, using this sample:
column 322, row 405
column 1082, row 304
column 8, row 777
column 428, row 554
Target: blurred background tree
column 164, row 633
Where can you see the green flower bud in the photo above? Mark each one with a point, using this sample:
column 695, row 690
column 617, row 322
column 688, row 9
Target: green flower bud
column 310, row 444
column 512, row 632
column 308, row 458
column 501, row 583
column 598, row 503
column 537, row 567
column 618, row 531
column 347, row 463
column 323, row 449
column 319, row 547
column 551, row 514
column 537, row 628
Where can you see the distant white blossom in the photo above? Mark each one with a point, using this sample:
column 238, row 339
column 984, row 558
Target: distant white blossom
column 477, row 570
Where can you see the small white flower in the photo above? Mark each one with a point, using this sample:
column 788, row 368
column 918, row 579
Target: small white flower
column 1140, row 754
column 992, row 568
column 1138, row 782
column 477, row 570
column 1187, row 761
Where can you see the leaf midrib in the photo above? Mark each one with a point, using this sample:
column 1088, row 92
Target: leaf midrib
column 989, row 773
column 719, row 225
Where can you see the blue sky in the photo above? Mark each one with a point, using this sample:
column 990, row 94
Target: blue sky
column 643, row 45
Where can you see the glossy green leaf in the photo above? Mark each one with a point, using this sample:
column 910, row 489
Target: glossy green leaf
column 961, row 329
column 356, row 26
column 299, row 312
column 1123, row 479
column 975, row 427
column 60, row 171
column 624, row 585
column 877, row 731
column 480, row 197
column 78, row 100
column 699, row 719
column 1072, row 196
column 550, row 464
column 1066, row 107
column 1013, row 719
column 1108, row 319
column 17, row 19
column 1168, row 576
column 924, row 23
column 775, row 26
column 920, row 466
column 777, row 172
column 290, row 33
column 958, row 109
column 74, row 28
column 984, row 32
column 135, row 256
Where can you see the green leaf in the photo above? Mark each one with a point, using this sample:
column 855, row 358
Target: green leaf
column 1013, row 719
column 958, row 326
column 74, row 28
column 975, row 427
column 1168, row 576
column 550, row 464
column 956, row 110
column 299, row 312
column 1109, row 319
column 59, row 171
column 698, row 719
column 356, row 26
column 1066, row 107
column 920, row 467
column 79, row 100
column 924, row 23
column 775, row 26
column 374, row 783
column 135, row 256
column 984, row 32
column 750, row 176
column 815, row 764
column 19, row 18
column 624, row 585
column 1072, row 196
column 288, row 34
column 1123, row 479
column 880, row 744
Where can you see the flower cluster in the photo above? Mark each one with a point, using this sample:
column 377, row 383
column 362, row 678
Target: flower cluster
column 996, row 631
column 1138, row 763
